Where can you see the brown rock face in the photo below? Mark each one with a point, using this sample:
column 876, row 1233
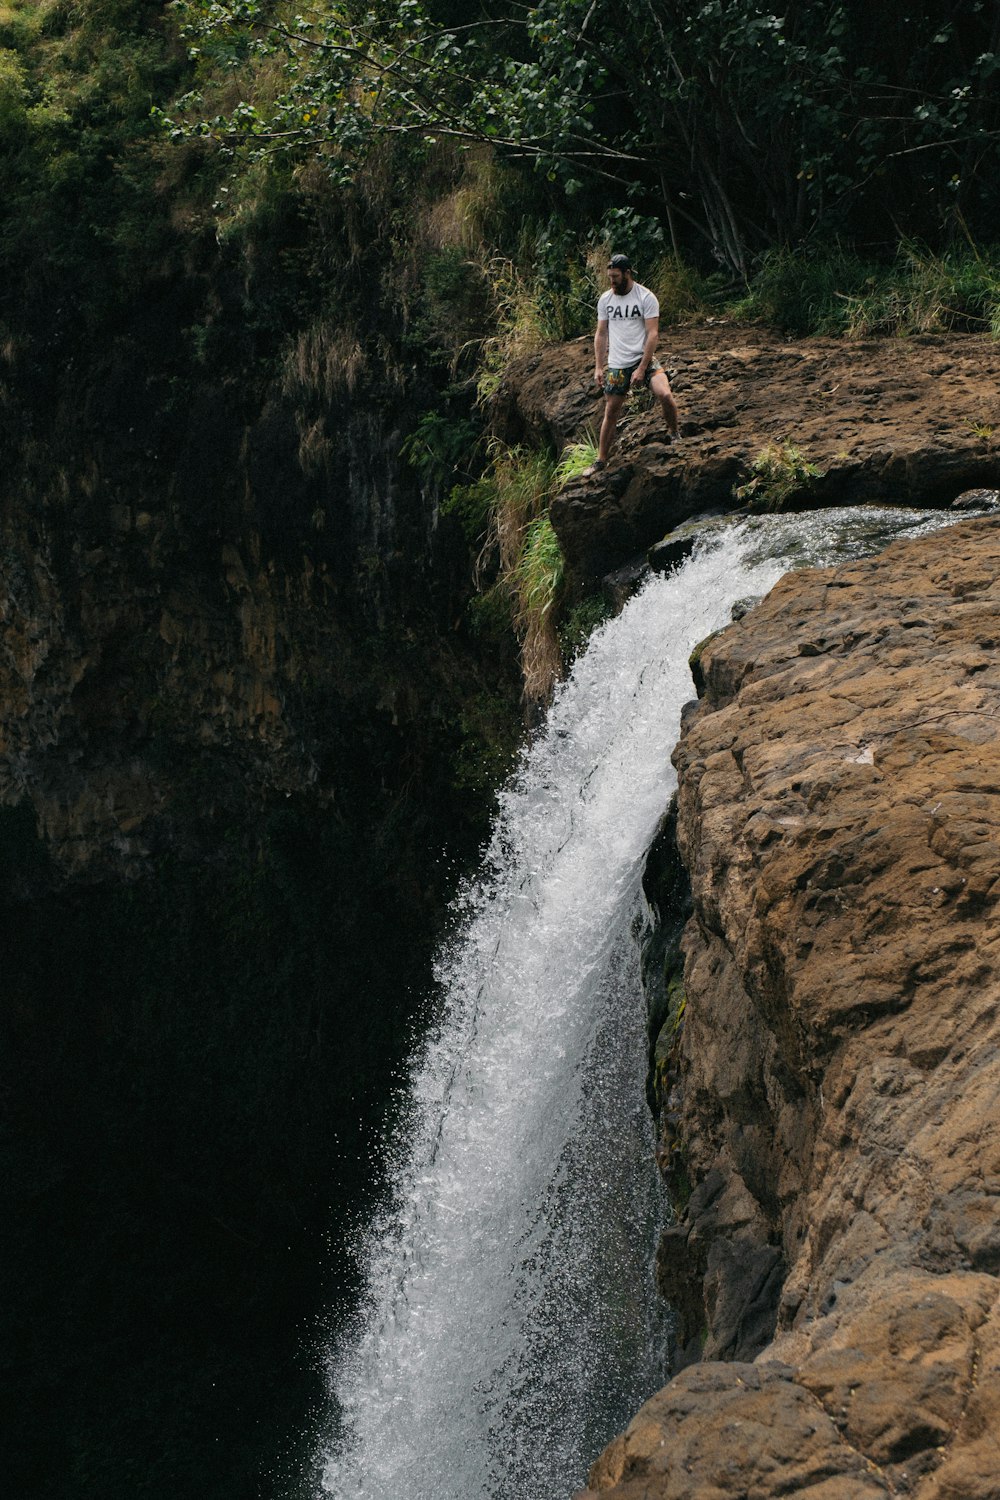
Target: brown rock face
column 186, row 657
column 113, row 684
column 835, row 1088
column 908, row 421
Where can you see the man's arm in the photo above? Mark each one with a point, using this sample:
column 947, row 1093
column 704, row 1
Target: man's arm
column 649, row 349
column 600, row 350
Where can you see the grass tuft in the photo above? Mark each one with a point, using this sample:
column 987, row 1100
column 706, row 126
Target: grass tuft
column 576, row 457
column 778, row 472
column 537, row 584
column 505, row 513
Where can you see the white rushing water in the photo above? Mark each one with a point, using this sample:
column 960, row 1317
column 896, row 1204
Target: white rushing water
column 510, row 1325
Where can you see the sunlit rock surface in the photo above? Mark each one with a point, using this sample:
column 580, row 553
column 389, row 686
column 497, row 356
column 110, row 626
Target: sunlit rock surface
column 903, row 421
column 836, row 1084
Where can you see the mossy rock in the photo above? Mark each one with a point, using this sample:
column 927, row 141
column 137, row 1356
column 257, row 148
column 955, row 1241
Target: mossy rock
column 694, row 662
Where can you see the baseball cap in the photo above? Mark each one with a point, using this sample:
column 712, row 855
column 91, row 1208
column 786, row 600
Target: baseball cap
column 620, row 263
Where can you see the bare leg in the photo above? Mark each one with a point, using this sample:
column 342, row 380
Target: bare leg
column 609, row 427
column 660, row 387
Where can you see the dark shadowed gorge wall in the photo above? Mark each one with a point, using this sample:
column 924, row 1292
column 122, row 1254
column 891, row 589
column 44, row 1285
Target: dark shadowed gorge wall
column 246, row 742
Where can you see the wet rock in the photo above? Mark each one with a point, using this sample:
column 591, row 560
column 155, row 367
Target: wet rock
column 838, row 1075
column 976, row 500
column 679, row 543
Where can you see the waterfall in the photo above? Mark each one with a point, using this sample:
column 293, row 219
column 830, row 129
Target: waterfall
column 509, row 1326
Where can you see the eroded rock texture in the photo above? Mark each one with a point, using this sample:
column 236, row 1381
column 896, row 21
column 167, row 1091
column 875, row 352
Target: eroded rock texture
column 832, row 1100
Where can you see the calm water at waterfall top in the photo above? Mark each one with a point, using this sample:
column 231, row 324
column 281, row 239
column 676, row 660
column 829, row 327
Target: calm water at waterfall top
column 509, row 1326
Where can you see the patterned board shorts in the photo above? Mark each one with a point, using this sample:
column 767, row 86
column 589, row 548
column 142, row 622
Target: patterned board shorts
column 618, row 382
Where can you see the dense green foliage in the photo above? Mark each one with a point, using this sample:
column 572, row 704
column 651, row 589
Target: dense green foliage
column 740, row 127
column 78, row 161
column 829, row 290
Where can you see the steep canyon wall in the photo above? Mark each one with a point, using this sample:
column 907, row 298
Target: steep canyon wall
column 828, row 1092
column 241, row 745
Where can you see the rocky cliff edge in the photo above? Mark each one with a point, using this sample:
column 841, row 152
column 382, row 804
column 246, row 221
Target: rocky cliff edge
column 898, row 421
column 831, row 1098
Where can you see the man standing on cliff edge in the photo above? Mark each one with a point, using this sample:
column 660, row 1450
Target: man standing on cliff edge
column 628, row 330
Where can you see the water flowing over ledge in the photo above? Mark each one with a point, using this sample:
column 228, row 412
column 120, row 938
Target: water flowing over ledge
column 509, row 1325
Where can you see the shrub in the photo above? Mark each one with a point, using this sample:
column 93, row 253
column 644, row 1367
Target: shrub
column 924, row 293
column 837, row 292
column 505, row 512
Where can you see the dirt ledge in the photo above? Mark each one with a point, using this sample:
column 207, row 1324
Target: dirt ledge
column 900, row 421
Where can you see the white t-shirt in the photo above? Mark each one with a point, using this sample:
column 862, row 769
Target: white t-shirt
column 626, row 319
